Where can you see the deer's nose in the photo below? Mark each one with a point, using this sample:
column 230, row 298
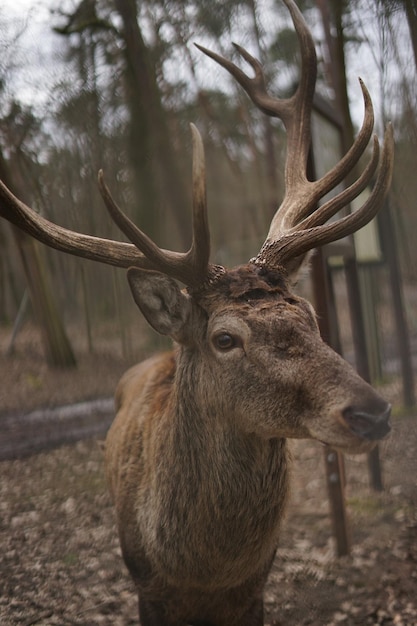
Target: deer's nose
column 367, row 425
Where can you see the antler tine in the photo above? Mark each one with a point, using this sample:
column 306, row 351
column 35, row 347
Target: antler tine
column 159, row 259
column 346, row 164
column 255, row 87
column 199, row 252
column 295, row 244
column 294, row 208
column 332, row 206
column 192, row 267
column 290, row 110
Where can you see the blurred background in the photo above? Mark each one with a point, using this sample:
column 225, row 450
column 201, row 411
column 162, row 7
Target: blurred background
column 114, row 84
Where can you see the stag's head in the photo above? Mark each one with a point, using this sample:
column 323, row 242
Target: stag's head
column 243, row 328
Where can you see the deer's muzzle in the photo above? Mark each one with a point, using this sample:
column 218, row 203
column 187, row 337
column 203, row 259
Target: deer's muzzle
column 368, row 425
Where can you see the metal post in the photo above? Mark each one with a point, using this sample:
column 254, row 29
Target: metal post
column 388, row 243
column 336, row 489
column 334, row 464
column 362, row 364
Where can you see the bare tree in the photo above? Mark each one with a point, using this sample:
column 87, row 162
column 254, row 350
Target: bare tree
column 56, row 343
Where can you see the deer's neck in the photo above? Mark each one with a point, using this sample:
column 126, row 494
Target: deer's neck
column 216, row 479
column 212, row 444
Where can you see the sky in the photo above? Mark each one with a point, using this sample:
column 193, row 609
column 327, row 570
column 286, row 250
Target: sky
column 33, row 14
column 30, row 22
column 38, row 46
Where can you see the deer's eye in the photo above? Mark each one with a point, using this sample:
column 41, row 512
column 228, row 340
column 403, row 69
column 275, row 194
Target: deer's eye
column 224, row 341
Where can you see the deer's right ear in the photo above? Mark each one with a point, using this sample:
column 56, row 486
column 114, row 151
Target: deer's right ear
column 164, row 305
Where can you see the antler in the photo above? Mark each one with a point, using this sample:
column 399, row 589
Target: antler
column 192, row 267
column 298, row 225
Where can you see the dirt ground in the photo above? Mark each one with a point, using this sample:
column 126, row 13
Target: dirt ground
column 59, row 557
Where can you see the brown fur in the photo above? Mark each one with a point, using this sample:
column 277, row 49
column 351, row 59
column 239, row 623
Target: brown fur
column 197, row 459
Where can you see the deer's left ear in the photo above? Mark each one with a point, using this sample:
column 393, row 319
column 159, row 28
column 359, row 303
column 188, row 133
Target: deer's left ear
column 164, row 305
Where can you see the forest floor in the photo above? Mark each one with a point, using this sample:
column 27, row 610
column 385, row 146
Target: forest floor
column 60, row 561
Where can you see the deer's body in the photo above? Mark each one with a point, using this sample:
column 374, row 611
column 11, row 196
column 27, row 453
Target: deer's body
column 192, row 543
column 196, row 458
column 198, row 487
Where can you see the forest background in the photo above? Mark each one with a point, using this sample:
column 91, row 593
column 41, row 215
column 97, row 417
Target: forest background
column 114, row 84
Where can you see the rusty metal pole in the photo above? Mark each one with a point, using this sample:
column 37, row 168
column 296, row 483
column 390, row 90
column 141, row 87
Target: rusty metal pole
column 362, row 364
column 387, row 231
column 334, row 463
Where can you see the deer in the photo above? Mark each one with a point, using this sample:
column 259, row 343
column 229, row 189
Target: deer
column 197, row 457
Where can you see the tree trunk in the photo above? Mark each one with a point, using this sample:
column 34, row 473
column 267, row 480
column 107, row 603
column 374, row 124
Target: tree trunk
column 411, row 13
column 56, row 344
column 159, row 176
column 271, row 162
